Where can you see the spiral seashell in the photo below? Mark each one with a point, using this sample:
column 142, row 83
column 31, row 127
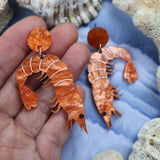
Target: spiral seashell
column 58, row 11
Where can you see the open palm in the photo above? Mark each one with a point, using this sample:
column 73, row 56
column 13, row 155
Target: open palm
column 35, row 134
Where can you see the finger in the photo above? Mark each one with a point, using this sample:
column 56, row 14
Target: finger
column 53, row 135
column 63, row 37
column 75, row 56
column 14, row 48
column 10, row 98
column 81, row 90
column 26, row 119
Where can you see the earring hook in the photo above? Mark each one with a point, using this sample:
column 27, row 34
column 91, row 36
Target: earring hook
column 40, row 52
column 100, row 48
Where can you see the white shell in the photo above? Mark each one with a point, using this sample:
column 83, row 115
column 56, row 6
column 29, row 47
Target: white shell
column 58, row 11
column 108, row 155
column 148, row 145
column 6, row 13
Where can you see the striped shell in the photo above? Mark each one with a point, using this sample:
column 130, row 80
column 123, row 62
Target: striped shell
column 58, row 11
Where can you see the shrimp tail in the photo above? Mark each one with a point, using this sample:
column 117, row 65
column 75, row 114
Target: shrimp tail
column 29, row 98
column 130, row 73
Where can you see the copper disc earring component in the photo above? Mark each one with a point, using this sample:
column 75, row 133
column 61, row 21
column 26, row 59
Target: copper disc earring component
column 39, row 38
column 97, row 36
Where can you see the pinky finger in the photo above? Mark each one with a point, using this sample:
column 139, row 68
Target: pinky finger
column 54, row 134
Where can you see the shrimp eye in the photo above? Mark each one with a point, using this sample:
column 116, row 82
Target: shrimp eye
column 104, row 113
column 81, row 116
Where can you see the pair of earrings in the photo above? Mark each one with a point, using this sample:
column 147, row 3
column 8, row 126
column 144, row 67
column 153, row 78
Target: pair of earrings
column 67, row 95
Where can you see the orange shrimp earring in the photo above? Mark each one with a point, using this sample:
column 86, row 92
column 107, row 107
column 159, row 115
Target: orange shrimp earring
column 67, row 95
column 99, row 68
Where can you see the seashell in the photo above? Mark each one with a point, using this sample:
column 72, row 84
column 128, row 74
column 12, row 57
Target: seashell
column 108, row 155
column 147, row 146
column 6, row 14
column 58, row 11
column 146, row 16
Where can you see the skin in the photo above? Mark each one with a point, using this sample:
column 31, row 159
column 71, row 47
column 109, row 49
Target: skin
column 35, row 134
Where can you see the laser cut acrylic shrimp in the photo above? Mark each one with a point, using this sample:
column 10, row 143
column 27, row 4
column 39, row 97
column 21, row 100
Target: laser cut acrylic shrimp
column 67, row 95
column 99, row 68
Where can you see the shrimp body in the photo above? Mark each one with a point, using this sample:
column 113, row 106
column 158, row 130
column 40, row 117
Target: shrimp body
column 30, row 66
column 98, row 70
column 67, row 95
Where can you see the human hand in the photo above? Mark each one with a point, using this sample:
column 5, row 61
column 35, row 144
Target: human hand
column 35, row 134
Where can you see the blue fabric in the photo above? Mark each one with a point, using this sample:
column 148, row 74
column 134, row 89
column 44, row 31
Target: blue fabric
column 140, row 100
